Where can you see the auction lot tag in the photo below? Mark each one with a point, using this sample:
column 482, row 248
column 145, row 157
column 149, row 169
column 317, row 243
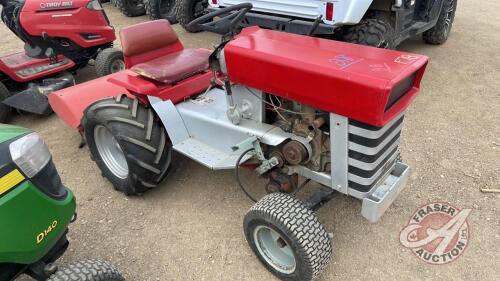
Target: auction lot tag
column 437, row 233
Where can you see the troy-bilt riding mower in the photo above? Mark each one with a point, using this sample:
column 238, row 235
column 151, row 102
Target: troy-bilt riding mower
column 278, row 104
column 59, row 37
column 35, row 211
column 379, row 23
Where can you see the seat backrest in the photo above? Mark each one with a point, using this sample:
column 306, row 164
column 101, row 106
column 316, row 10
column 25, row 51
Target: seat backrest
column 149, row 40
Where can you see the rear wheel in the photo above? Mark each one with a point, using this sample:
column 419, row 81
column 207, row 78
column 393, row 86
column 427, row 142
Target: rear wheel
column 370, row 32
column 131, row 8
column 4, row 109
column 188, row 10
column 88, row 270
column 441, row 31
column 109, row 61
column 161, row 9
column 130, row 147
column 287, row 237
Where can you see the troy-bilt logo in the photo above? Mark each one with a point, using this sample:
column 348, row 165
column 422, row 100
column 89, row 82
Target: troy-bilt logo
column 56, row 5
column 437, row 233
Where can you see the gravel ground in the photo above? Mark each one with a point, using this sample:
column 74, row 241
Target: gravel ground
column 190, row 228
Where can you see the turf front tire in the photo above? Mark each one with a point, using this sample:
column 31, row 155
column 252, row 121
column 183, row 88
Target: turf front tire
column 370, row 32
column 287, row 237
column 441, row 31
column 128, row 143
column 109, row 61
column 131, row 8
column 161, row 9
column 88, row 270
column 4, row 109
column 189, row 10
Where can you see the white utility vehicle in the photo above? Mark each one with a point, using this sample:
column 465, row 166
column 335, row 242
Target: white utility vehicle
column 379, row 23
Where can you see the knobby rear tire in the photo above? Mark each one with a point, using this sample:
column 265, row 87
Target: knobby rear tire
column 161, row 9
column 370, row 32
column 141, row 138
column 441, row 31
column 130, row 8
column 185, row 11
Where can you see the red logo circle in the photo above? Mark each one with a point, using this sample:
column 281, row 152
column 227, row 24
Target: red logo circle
column 437, row 233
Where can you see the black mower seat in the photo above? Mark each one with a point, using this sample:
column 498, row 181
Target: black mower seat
column 174, row 67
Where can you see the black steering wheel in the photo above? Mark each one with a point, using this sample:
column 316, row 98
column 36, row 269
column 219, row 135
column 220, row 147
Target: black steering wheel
column 226, row 23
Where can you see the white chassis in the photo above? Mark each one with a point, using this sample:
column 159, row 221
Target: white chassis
column 201, row 130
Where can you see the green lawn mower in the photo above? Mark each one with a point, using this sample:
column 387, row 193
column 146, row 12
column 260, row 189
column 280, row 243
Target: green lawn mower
column 35, row 211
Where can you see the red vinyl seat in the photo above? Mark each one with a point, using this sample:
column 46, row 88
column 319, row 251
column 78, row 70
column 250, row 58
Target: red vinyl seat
column 174, row 67
column 153, row 50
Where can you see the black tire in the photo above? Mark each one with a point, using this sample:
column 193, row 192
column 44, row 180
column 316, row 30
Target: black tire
column 188, row 10
column 141, row 138
column 370, row 32
column 131, row 8
column 109, row 61
column 4, row 109
column 161, row 9
column 299, row 229
column 441, row 31
column 88, row 270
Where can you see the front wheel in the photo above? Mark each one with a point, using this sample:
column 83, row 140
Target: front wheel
column 287, row 237
column 441, row 31
column 127, row 143
column 109, row 61
column 88, row 270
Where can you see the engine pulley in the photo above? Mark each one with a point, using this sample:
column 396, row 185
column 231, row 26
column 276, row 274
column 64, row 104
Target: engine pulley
column 295, row 152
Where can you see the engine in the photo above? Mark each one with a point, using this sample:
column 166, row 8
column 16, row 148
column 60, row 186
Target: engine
column 370, row 152
column 306, row 122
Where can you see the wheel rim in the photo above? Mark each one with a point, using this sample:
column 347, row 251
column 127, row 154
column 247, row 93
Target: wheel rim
column 117, row 65
column 449, row 18
column 274, row 249
column 110, row 151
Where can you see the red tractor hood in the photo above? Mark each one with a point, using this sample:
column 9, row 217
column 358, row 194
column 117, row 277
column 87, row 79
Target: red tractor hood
column 363, row 83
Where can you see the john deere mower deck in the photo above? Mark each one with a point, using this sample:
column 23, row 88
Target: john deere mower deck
column 287, row 107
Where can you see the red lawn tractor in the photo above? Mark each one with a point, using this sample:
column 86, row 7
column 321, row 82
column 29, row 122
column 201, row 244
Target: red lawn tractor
column 60, row 37
column 287, row 107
